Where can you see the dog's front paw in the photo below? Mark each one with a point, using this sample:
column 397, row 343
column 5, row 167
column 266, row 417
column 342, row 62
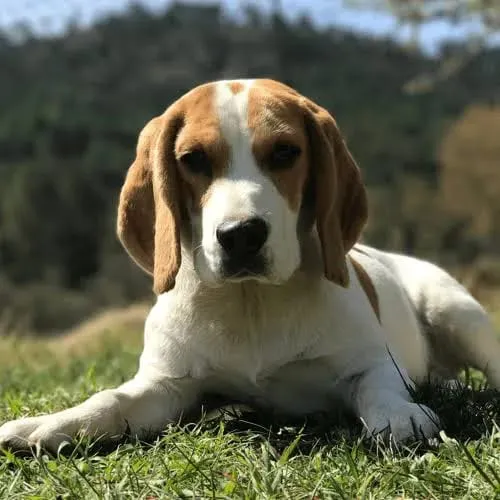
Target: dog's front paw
column 408, row 422
column 35, row 433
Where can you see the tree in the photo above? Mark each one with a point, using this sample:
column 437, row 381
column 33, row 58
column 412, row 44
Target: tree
column 416, row 13
column 455, row 11
column 470, row 173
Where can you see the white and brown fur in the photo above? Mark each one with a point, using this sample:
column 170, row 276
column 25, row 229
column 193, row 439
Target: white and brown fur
column 328, row 320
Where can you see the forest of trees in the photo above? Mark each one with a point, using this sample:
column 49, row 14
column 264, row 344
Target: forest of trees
column 71, row 108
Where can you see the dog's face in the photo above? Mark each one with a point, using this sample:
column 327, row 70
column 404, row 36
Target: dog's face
column 247, row 168
column 247, row 171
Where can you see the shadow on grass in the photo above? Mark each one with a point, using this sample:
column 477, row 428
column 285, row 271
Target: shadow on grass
column 467, row 413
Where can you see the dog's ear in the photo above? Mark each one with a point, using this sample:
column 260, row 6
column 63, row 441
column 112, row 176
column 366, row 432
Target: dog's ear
column 148, row 223
column 341, row 200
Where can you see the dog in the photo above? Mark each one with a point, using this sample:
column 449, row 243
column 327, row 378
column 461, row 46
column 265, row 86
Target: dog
column 246, row 207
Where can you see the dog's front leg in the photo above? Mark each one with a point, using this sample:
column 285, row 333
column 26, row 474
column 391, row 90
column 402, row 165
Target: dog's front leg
column 380, row 397
column 140, row 406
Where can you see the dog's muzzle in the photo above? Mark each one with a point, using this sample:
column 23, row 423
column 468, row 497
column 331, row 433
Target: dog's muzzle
column 242, row 242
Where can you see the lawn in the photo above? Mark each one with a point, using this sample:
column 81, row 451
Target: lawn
column 232, row 455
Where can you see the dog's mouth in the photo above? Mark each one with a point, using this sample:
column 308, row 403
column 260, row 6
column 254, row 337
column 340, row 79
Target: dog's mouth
column 237, row 269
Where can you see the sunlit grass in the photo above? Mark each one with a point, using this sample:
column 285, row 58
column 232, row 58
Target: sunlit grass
column 233, row 455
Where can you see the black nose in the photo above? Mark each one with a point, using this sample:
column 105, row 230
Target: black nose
column 242, row 238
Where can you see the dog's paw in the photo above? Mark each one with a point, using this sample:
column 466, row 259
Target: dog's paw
column 46, row 432
column 408, row 422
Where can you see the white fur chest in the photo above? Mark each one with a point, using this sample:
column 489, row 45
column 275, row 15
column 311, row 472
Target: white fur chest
column 247, row 338
column 232, row 333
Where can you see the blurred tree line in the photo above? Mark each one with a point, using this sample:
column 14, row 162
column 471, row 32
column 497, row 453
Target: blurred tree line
column 71, row 108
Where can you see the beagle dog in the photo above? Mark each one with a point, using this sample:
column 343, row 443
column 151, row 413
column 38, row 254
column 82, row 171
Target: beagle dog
column 245, row 206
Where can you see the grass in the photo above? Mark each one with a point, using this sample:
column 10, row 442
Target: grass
column 232, row 455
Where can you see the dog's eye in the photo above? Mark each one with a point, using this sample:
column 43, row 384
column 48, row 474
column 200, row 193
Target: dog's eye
column 198, row 162
column 283, row 156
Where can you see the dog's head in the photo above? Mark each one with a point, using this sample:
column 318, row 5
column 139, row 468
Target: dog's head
column 240, row 171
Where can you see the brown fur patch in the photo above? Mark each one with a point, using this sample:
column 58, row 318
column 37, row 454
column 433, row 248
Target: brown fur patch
column 340, row 197
column 236, row 87
column 201, row 130
column 274, row 118
column 368, row 287
column 275, row 112
column 154, row 194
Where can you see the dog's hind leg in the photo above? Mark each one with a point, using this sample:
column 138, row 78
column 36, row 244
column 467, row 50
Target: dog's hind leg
column 460, row 330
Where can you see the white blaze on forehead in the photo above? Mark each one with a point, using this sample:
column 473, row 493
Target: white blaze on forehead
column 232, row 110
column 235, row 193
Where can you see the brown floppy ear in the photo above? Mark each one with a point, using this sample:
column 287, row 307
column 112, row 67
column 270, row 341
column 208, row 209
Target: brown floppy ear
column 341, row 201
column 148, row 223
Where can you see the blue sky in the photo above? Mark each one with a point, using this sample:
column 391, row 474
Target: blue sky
column 52, row 15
